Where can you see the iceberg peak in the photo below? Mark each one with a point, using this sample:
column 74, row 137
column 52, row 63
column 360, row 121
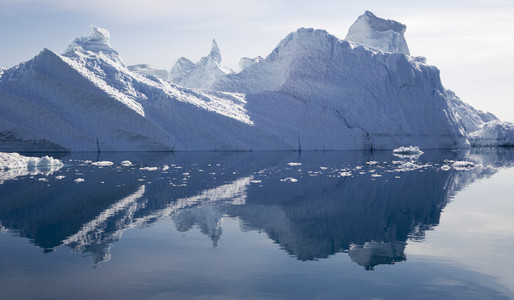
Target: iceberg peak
column 98, row 41
column 202, row 74
column 100, row 34
column 215, row 53
column 382, row 34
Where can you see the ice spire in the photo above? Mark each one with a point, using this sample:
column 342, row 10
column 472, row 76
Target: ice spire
column 215, row 52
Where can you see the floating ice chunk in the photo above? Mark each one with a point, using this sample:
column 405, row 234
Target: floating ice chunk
column 13, row 165
column 79, row 180
column 408, row 166
column 255, row 181
column 126, row 163
column 290, row 179
column 445, row 167
column 293, row 164
column 405, row 152
column 370, row 163
column 345, row 174
column 463, row 165
column 102, row 163
column 59, row 177
column 376, row 175
column 149, row 168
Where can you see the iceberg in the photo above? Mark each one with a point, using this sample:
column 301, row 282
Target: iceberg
column 202, row 74
column 411, row 151
column 312, row 92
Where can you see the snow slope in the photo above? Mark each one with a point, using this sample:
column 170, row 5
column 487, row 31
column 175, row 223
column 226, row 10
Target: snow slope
column 202, row 74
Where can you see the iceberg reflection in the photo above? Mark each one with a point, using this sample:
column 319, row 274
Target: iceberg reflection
column 354, row 202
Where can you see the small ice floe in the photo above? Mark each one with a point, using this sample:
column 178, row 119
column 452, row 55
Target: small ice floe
column 59, row 177
column 126, row 163
column 293, row 164
column 376, row 175
column 408, row 152
column 408, row 166
column 463, row 165
column 79, row 180
column 149, row 168
column 165, row 167
column 255, row 181
column 289, row 179
column 42, row 179
column 323, row 168
column 345, row 174
column 445, row 167
column 104, row 163
column 370, row 163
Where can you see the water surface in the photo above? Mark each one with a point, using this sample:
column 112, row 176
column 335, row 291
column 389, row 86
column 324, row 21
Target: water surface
column 261, row 225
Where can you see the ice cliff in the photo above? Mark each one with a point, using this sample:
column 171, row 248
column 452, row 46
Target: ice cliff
column 312, row 92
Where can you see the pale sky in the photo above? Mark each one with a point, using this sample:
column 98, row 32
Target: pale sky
column 471, row 42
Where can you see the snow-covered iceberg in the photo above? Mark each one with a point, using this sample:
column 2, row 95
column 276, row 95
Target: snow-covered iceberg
column 312, row 92
column 202, row 74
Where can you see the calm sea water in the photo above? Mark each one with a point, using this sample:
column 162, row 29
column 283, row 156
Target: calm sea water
column 269, row 225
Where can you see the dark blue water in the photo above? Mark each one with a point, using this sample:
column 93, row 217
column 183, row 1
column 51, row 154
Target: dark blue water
column 269, row 225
